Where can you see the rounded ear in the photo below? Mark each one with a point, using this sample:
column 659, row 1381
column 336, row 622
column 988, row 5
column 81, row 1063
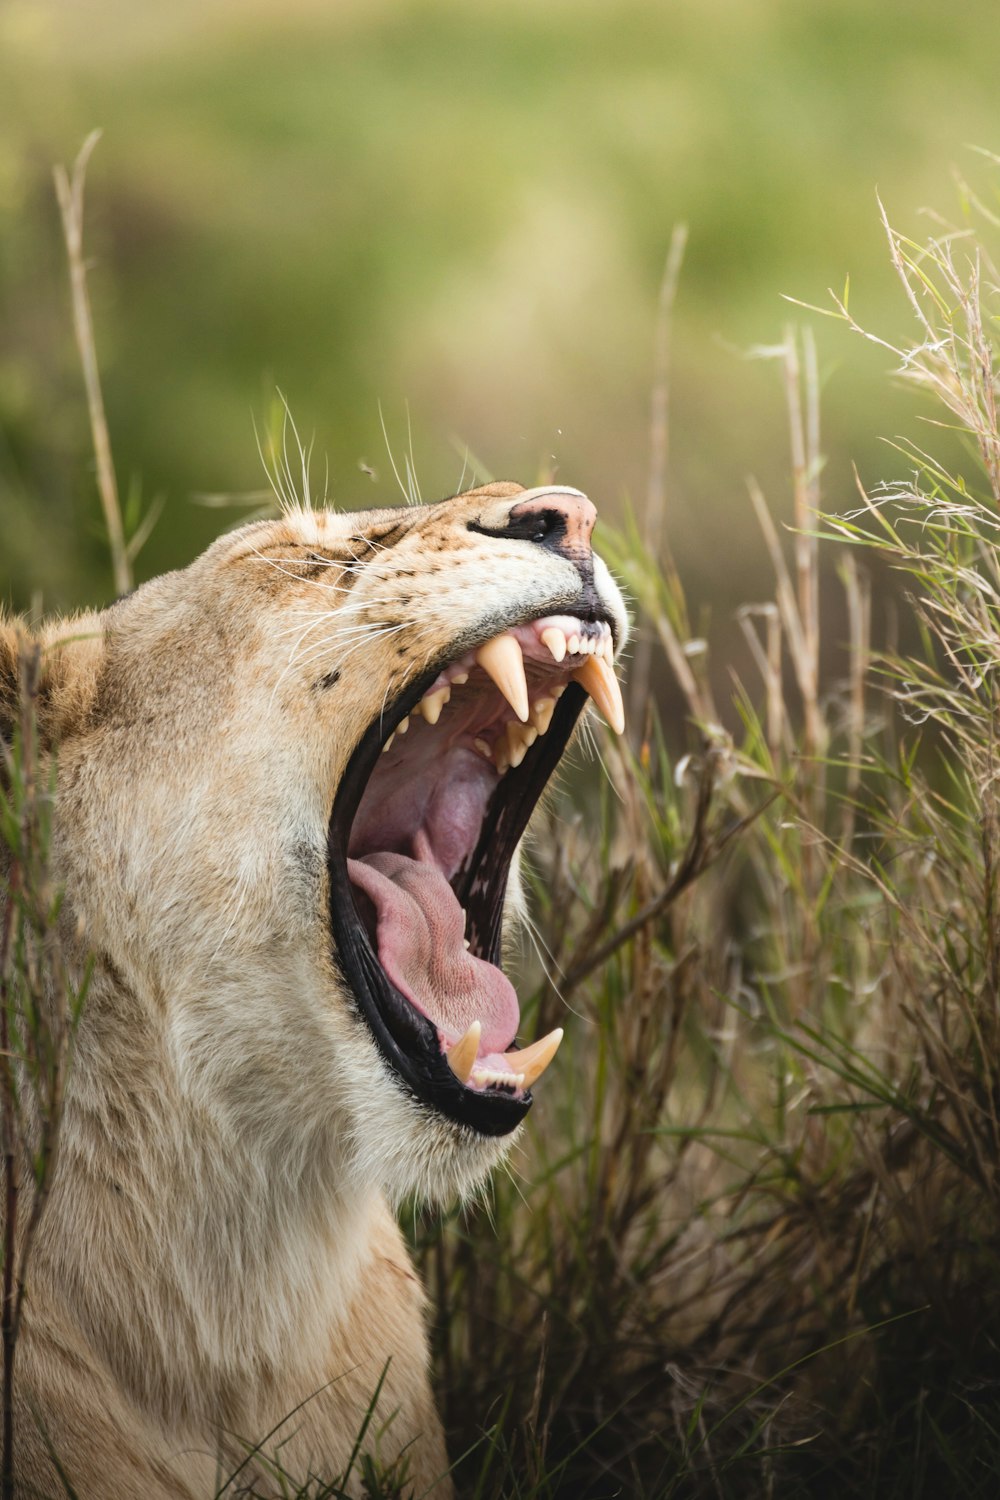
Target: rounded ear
column 65, row 660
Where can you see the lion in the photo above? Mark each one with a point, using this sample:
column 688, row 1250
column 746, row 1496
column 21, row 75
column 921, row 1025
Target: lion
column 292, row 782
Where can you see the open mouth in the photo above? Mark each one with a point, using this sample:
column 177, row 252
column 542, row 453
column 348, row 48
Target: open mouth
column 425, row 823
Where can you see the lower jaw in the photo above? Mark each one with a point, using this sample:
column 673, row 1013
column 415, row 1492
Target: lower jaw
column 407, row 1040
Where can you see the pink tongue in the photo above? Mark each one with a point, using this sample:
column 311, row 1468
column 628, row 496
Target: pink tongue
column 420, row 945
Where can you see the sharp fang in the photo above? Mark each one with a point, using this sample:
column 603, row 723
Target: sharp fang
column 432, row 704
column 602, row 685
column 388, row 742
column 462, row 1056
column 501, row 658
column 542, row 713
column 532, row 1061
column 403, row 725
column 556, row 642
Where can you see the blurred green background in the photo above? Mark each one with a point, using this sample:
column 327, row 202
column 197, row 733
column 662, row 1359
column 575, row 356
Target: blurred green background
column 459, row 210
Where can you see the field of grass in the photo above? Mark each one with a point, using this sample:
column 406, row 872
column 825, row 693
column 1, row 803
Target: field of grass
column 751, row 1246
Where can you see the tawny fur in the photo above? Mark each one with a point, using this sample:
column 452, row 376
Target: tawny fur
column 218, row 1257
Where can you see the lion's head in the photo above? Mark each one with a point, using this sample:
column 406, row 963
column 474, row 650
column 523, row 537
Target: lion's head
column 292, row 782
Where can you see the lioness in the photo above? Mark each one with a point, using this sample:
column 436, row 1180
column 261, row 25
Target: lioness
column 292, row 780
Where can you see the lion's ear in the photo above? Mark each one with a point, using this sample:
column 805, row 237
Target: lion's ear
column 71, row 663
column 60, row 668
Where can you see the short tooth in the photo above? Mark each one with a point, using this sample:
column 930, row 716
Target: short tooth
column 432, row 704
column 542, row 713
column 573, row 645
column 462, row 1056
column 554, row 638
column 484, row 748
column 601, row 683
column 501, row 754
column 532, row 1061
column 459, row 679
column 467, row 944
column 403, row 725
column 388, row 742
column 519, row 741
column 501, row 658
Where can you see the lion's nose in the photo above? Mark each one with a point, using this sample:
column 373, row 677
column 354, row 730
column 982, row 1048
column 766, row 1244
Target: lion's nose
column 562, row 519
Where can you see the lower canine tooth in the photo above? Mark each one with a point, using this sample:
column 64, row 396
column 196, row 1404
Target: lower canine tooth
column 601, row 683
column 462, row 1056
column 532, row 1061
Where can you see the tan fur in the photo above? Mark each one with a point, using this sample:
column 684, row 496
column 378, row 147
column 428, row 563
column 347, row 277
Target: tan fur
column 218, row 1256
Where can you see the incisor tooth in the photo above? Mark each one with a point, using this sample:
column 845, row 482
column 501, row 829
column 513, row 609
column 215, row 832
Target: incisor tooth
column 462, row 1056
column 556, row 642
column 501, row 658
column 601, row 683
column 573, row 645
column 532, row 1061
column 432, row 704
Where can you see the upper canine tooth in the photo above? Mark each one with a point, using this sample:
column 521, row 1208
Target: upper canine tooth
column 432, row 704
column 532, row 1061
column 601, row 683
column 501, row 658
column 462, row 1056
column 554, row 638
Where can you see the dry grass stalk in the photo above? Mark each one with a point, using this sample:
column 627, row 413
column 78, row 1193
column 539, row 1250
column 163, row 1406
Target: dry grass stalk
column 70, row 190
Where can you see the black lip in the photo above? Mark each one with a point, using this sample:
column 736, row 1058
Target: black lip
column 408, row 1040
